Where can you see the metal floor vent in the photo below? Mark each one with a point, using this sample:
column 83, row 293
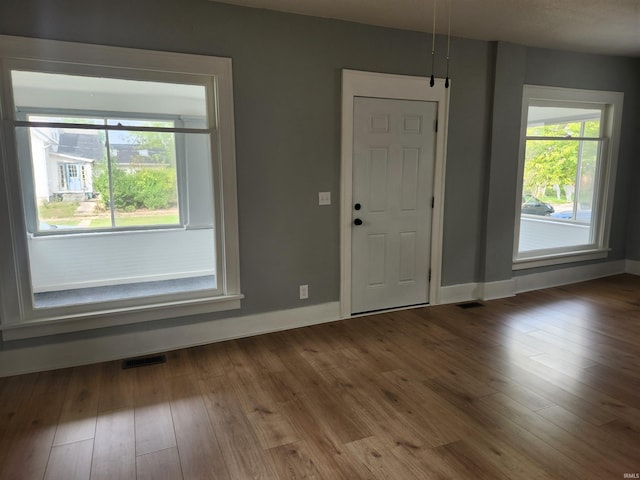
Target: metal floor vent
column 143, row 361
column 470, row 305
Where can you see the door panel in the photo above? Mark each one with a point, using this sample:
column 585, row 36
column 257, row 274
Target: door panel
column 394, row 146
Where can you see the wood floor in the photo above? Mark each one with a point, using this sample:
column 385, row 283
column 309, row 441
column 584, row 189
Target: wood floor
column 544, row 385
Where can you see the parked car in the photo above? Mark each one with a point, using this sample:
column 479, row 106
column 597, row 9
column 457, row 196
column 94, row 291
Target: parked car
column 582, row 216
column 533, row 206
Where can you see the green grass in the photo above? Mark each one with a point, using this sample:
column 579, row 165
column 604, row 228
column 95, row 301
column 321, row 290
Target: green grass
column 50, row 210
column 136, row 221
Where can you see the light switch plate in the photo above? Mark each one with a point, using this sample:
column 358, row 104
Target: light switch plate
column 324, row 198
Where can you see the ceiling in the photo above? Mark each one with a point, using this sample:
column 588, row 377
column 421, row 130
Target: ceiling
column 594, row 26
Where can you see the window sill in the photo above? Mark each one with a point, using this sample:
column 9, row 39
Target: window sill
column 546, row 260
column 118, row 316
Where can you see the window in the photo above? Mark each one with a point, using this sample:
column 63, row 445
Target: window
column 122, row 164
column 124, row 176
column 567, row 168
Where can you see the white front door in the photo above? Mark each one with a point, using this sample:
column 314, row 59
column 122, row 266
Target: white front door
column 393, row 160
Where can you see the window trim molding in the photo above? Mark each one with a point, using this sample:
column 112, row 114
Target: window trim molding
column 216, row 75
column 611, row 104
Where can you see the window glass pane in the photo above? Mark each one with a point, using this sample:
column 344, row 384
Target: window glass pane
column 55, row 91
column 143, row 179
column 563, row 122
column 58, row 166
column 558, row 194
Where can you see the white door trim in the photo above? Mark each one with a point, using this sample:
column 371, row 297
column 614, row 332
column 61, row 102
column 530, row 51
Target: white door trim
column 401, row 87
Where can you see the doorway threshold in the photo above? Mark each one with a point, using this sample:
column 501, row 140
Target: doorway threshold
column 391, row 309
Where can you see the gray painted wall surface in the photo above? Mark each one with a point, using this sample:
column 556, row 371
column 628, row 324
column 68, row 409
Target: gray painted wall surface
column 287, row 106
column 501, row 178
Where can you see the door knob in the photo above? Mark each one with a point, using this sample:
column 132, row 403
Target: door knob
column 357, row 206
column 357, row 221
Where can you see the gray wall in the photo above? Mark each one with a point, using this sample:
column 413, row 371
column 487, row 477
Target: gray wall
column 287, row 104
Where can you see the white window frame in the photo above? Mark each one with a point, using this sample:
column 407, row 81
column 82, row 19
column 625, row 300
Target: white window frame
column 24, row 115
column 17, row 318
column 611, row 105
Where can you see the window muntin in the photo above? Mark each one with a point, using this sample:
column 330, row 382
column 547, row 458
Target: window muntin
column 566, row 172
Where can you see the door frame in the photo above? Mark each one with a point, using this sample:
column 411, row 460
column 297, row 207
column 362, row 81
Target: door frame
column 398, row 87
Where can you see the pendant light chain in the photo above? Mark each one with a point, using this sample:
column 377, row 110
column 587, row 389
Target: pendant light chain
column 432, row 80
column 446, row 82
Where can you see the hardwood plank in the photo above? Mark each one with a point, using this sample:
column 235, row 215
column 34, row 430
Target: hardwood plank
column 238, row 443
column 13, row 393
column 178, row 363
column 153, row 420
column 322, row 444
column 272, row 429
column 114, row 451
column 621, row 453
column 376, row 456
column 379, row 417
column 160, row 465
column 29, row 437
column 200, row 454
column 558, row 438
column 116, row 387
column 294, row 461
column 70, row 461
column 78, row 419
column 210, row 360
column 468, row 462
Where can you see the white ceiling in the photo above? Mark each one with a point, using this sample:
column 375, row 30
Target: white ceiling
column 596, row 26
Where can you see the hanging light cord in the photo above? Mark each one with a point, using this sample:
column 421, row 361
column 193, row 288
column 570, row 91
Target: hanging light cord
column 446, row 82
column 432, row 82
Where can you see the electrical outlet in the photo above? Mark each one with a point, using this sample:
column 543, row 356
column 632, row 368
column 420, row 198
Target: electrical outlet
column 304, row 292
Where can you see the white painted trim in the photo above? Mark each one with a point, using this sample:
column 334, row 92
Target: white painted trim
column 132, row 344
column 463, row 292
column 535, row 281
column 111, row 317
column 501, row 289
column 560, row 258
column 402, row 87
column 216, row 74
column 632, row 267
column 566, row 276
column 611, row 104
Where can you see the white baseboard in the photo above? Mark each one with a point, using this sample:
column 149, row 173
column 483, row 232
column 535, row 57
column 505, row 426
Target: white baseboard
column 501, row 289
column 535, row 281
column 632, row 267
column 114, row 347
column 565, row 276
column 463, row 292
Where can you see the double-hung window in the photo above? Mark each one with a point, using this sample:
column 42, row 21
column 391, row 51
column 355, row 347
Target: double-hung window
column 568, row 154
column 120, row 171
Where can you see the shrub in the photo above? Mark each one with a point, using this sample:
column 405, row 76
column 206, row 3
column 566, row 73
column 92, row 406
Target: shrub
column 150, row 188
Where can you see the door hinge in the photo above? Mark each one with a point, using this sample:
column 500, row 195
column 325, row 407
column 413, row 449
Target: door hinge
column 429, row 274
column 433, row 201
column 435, row 125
